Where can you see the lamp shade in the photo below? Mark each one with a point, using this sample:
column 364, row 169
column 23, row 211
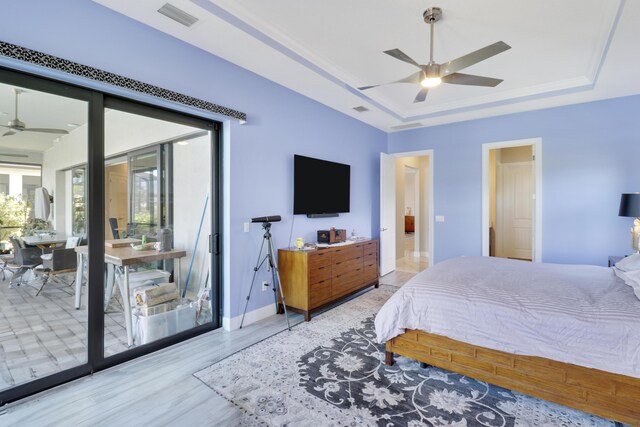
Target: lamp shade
column 630, row 205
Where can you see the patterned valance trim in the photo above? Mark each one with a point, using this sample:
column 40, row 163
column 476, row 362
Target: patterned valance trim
column 53, row 62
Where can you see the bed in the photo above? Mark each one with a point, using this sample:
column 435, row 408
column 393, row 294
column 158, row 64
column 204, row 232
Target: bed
column 565, row 333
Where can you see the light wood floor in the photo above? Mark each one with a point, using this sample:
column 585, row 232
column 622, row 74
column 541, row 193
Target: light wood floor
column 157, row 389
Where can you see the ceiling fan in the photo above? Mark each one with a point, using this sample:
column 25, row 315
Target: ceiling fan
column 16, row 125
column 432, row 74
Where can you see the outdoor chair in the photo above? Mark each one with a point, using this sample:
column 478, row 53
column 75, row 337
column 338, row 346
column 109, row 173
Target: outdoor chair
column 59, row 261
column 24, row 259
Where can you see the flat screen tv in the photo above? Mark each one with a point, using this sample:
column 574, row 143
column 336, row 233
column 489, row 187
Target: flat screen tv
column 320, row 187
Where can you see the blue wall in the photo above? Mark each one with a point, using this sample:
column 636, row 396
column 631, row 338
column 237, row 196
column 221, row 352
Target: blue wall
column 281, row 122
column 590, row 155
column 590, row 151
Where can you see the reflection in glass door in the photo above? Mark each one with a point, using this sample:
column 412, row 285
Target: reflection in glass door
column 144, row 178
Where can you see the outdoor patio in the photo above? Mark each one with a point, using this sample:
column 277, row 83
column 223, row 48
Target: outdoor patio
column 44, row 334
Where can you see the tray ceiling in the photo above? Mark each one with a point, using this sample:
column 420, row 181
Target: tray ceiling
column 562, row 52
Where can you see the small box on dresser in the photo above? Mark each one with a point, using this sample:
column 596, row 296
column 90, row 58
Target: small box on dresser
column 311, row 280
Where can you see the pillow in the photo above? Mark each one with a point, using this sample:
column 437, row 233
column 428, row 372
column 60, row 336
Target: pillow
column 630, row 263
column 631, row 278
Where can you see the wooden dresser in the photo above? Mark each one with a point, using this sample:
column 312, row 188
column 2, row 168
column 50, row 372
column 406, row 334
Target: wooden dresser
column 313, row 279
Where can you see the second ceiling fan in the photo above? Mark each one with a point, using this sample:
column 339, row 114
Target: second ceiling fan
column 16, row 125
column 432, row 74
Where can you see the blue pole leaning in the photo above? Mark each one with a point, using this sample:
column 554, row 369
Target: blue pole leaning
column 195, row 247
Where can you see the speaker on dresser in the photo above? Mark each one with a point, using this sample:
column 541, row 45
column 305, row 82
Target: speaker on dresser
column 332, row 236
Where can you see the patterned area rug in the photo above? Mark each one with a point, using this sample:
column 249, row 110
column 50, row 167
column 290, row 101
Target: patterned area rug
column 331, row 372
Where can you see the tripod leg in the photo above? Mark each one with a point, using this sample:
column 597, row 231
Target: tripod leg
column 276, row 273
column 255, row 271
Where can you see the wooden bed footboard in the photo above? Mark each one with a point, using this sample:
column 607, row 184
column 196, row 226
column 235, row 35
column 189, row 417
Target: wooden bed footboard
column 609, row 395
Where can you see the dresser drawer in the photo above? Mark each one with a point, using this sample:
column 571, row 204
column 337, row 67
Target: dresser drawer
column 319, row 274
column 369, row 247
column 370, row 266
column 346, row 253
column 319, row 259
column 370, row 258
column 319, row 293
column 344, row 266
column 347, row 283
column 355, row 274
column 370, row 271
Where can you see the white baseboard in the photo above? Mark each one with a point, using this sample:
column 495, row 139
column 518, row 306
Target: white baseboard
column 231, row 324
column 424, row 254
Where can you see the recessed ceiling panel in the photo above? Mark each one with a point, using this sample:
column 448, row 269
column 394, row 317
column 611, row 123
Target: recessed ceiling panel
column 327, row 49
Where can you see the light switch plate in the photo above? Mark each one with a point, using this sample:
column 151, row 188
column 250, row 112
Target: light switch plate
column 439, row 218
column 247, row 227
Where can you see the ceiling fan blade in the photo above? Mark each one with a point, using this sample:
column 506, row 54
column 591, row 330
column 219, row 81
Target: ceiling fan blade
column 471, row 80
column 9, row 133
column 413, row 78
column 398, row 54
column 473, row 58
column 422, row 95
column 44, row 130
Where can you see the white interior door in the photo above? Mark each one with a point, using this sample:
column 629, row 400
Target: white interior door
column 517, row 210
column 387, row 213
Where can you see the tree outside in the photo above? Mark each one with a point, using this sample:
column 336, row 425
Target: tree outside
column 14, row 213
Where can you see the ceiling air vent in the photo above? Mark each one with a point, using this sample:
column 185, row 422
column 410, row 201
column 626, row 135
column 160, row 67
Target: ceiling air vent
column 178, row 15
column 361, row 108
column 407, row 126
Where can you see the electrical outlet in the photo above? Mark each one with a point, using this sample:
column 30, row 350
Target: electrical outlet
column 265, row 285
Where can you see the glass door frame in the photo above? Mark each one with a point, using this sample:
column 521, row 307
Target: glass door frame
column 95, row 214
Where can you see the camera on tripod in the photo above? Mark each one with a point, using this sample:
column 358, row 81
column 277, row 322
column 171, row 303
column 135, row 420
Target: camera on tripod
column 272, row 218
column 272, row 265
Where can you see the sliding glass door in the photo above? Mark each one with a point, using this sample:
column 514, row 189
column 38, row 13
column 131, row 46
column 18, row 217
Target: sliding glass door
column 159, row 281
column 44, row 134
column 109, row 223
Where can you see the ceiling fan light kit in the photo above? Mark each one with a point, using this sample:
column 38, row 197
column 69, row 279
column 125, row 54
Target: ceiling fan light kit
column 433, row 74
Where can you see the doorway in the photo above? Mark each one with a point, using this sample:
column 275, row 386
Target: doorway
column 511, row 199
column 406, row 196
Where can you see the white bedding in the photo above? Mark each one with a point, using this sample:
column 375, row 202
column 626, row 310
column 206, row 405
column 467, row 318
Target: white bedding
column 577, row 314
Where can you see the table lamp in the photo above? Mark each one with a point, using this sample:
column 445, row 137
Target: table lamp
column 630, row 207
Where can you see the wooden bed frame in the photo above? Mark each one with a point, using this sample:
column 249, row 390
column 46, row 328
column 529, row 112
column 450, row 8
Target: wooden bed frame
column 612, row 396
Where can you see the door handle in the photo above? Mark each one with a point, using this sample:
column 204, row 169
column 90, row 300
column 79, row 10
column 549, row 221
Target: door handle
column 383, row 229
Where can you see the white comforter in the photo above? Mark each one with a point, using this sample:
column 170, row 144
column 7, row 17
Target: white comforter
column 576, row 314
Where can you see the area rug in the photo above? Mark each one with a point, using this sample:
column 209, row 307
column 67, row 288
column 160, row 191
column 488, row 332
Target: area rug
column 331, row 372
